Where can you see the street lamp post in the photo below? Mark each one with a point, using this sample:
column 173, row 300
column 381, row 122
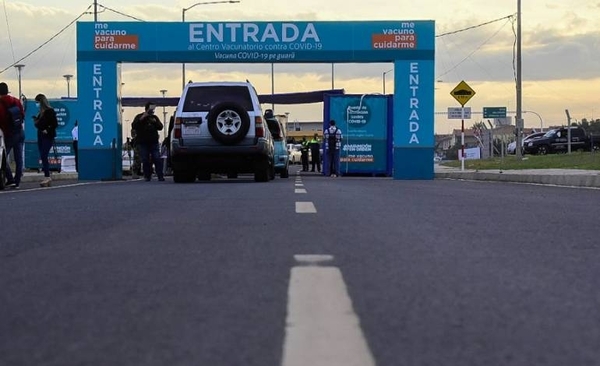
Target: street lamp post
column 19, row 67
column 183, row 20
column 384, row 73
column 68, row 78
column 540, row 117
column 164, row 92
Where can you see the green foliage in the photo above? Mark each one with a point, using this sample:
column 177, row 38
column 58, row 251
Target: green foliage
column 575, row 160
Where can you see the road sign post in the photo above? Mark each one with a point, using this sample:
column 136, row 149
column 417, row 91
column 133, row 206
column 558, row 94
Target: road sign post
column 462, row 93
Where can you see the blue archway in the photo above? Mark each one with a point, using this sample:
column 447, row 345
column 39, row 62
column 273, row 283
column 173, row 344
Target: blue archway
column 103, row 46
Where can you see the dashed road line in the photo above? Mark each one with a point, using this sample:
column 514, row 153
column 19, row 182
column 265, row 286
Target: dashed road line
column 305, row 207
column 300, row 190
column 322, row 327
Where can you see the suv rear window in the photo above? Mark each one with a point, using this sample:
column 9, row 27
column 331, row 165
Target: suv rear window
column 203, row 98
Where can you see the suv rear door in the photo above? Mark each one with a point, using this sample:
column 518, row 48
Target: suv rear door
column 218, row 105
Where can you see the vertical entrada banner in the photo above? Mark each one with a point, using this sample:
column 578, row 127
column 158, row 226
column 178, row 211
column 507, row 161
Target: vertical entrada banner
column 103, row 45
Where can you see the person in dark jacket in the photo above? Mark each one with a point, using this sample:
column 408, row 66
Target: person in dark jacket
column 146, row 126
column 46, row 123
column 304, row 153
column 315, row 153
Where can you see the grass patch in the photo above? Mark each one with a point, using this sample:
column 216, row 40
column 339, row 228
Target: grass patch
column 575, row 160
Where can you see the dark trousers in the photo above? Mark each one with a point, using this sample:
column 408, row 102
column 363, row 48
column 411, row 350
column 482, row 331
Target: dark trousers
column 334, row 161
column 304, row 158
column 148, row 151
column 15, row 144
column 315, row 160
column 76, row 153
column 44, row 146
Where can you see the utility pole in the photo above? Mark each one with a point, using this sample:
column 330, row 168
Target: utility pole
column 273, row 87
column 568, row 131
column 95, row 11
column 519, row 121
column 19, row 67
column 164, row 92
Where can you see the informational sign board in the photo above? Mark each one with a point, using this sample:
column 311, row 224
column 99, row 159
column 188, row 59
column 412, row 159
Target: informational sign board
column 494, row 112
column 363, row 120
column 459, row 113
column 66, row 114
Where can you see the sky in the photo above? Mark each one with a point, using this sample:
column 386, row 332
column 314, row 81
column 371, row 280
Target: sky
column 560, row 47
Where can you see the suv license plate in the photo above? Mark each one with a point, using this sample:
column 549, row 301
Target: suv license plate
column 191, row 129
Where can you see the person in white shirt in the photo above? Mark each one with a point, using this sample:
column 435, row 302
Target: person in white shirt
column 333, row 144
column 75, row 135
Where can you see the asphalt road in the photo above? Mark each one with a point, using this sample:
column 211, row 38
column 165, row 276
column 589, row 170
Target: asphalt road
column 438, row 272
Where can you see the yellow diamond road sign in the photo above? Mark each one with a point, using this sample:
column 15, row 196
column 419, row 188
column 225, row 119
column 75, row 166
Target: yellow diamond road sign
column 462, row 93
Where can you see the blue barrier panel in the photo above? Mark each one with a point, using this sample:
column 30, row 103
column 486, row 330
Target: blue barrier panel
column 363, row 120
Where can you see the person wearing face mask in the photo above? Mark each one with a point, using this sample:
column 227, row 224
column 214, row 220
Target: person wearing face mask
column 46, row 123
column 146, row 126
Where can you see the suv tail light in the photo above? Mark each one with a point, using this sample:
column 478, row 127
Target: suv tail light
column 259, row 127
column 177, row 128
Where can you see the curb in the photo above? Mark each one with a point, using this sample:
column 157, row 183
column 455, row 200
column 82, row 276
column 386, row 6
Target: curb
column 591, row 180
column 28, row 178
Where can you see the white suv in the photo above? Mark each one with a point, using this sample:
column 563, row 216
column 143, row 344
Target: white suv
column 219, row 128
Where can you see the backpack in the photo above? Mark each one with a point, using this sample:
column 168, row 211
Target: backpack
column 15, row 118
column 332, row 139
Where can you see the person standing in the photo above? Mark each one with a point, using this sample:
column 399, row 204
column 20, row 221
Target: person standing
column 146, row 126
column 46, row 123
column 14, row 135
column 315, row 153
column 333, row 144
column 304, row 153
column 75, row 136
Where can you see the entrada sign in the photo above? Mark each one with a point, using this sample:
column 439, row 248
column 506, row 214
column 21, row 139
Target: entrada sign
column 103, row 46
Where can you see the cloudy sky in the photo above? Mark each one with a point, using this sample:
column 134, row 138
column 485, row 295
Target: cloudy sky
column 561, row 51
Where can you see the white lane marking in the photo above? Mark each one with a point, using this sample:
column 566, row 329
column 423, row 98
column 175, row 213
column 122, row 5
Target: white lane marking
column 305, row 207
column 22, row 190
column 312, row 258
column 322, row 327
column 299, row 185
column 300, row 190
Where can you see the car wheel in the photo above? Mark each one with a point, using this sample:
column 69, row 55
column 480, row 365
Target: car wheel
column 542, row 150
column 228, row 123
column 204, row 175
column 285, row 173
column 262, row 171
column 184, row 176
column 272, row 171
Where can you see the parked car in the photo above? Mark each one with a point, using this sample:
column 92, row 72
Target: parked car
column 295, row 153
column 3, row 161
column 219, row 128
column 557, row 141
column 281, row 153
column 512, row 147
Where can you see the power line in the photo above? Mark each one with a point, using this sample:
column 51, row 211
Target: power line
column 476, row 26
column 48, row 41
column 12, row 49
column 120, row 13
column 475, row 50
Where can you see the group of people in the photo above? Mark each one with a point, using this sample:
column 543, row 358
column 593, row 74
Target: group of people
column 12, row 118
column 332, row 137
column 145, row 139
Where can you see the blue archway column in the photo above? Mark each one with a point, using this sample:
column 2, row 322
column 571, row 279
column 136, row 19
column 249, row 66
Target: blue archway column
column 414, row 141
column 100, row 128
